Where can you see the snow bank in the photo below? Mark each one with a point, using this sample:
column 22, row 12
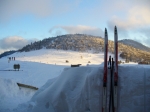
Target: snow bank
column 134, row 89
column 11, row 95
column 80, row 90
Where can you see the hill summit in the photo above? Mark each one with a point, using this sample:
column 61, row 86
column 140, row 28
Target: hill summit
column 75, row 42
column 83, row 43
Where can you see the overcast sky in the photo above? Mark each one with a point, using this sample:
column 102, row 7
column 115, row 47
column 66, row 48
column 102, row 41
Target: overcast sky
column 25, row 21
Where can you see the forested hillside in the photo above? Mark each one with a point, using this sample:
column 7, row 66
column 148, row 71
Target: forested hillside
column 83, row 43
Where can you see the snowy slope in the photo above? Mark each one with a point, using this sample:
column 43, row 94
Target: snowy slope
column 44, row 64
column 59, row 57
column 47, row 67
column 37, row 67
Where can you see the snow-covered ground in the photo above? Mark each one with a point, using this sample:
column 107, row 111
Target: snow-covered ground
column 65, row 89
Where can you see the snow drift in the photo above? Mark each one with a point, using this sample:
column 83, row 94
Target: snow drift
column 80, row 90
column 9, row 91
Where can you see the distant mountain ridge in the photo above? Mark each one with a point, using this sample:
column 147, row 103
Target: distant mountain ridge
column 7, row 53
column 78, row 42
column 134, row 51
column 135, row 44
column 75, row 42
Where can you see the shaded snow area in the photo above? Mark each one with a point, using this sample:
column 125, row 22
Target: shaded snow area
column 11, row 95
column 80, row 90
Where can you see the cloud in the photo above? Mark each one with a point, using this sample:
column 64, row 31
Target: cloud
column 137, row 15
column 40, row 8
column 76, row 29
column 14, row 42
column 132, row 21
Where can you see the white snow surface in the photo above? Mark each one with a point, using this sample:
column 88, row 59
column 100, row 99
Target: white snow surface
column 66, row 89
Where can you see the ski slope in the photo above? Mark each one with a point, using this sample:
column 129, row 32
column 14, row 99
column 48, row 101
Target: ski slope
column 62, row 86
column 36, row 68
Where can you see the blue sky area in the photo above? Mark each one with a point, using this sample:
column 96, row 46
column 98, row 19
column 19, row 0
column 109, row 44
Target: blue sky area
column 26, row 21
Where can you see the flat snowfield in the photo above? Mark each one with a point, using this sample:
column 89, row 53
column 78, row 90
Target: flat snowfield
column 69, row 89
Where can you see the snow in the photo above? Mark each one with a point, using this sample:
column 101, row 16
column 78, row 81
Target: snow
column 66, row 89
column 30, row 72
column 11, row 95
column 60, row 57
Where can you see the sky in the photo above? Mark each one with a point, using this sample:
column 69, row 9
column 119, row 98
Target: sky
column 26, row 21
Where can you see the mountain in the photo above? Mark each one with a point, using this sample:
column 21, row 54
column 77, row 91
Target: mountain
column 134, row 51
column 135, row 44
column 75, row 42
